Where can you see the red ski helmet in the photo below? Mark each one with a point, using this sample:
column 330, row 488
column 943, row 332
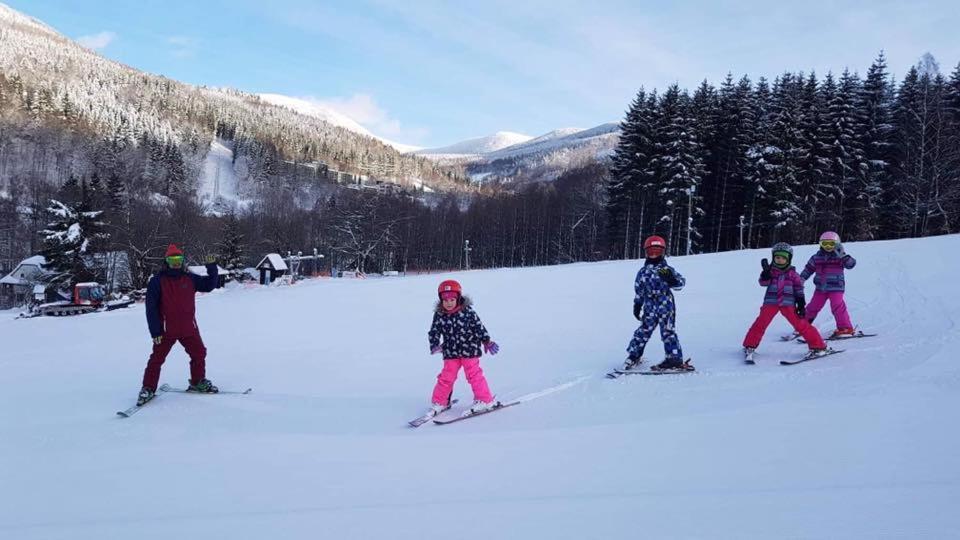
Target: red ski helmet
column 653, row 243
column 449, row 286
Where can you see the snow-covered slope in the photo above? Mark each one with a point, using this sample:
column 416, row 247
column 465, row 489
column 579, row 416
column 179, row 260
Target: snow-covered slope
column 858, row 445
column 219, row 186
column 476, row 147
column 328, row 114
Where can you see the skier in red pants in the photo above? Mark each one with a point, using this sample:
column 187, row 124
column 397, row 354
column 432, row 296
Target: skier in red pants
column 170, row 317
column 784, row 295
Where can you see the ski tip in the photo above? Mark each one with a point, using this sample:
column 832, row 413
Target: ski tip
column 122, row 414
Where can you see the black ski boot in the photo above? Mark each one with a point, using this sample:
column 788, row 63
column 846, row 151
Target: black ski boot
column 202, row 387
column 671, row 364
column 146, row 395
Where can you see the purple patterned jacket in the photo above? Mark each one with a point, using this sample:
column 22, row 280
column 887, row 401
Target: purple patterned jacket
column 783, row 287
column 828, row 267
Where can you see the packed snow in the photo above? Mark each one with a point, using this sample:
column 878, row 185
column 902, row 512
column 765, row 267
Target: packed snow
column 857, row 445
column 220, row 189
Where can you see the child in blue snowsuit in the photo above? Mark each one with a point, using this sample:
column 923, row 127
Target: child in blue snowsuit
column 654, row 288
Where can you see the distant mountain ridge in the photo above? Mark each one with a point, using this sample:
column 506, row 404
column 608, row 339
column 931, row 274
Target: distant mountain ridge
column 543, row 158
column 476, row 146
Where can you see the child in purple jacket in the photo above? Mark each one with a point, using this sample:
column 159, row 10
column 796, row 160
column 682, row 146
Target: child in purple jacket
column 827, row 266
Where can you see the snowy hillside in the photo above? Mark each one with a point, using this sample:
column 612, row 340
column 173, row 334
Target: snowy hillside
column 327, row 114
column 509, row 160
column 475, row 147
column 858, row 445
column 219, row 187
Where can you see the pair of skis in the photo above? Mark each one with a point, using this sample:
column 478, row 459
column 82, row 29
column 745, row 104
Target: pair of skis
column 799, row 339
column 812, row 355
column 417, row 422
column 619, row 372
column 167, row 388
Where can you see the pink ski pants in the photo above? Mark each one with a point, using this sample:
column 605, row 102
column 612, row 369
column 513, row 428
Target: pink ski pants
column 447, row 376
column 768, row 312
column 837, row 305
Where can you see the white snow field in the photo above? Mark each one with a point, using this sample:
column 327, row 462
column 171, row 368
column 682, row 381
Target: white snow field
column 859, row 445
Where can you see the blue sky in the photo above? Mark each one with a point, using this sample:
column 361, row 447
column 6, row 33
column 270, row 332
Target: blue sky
column 434, row 72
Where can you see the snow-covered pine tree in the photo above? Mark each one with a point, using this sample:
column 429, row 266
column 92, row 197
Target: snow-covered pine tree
column 630, row 173
column 875, row 111
column 788, row 151
column 951, row 193
column 678, row 170
column 231, row 248
column 704, row 115
column 73, row 233
column 841, row 134
column 759, row 166
column 735, row 125
column 815, row 186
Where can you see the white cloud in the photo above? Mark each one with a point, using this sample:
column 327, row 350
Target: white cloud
column 182, row 46
column 97, row 41
column 365, row 110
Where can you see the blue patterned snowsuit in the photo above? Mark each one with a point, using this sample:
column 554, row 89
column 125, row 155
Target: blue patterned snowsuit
column 653, row 292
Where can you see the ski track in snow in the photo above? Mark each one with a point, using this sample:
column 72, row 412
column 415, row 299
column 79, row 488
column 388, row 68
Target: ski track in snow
column 864, row 441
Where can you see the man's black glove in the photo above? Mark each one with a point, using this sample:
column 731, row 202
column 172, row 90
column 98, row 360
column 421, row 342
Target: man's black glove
column 637, row 306
column 800, row 307
column 765, row 274
column 666, row 273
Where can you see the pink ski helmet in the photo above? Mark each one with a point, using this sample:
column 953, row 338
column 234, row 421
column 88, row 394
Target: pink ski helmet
column 830, row 236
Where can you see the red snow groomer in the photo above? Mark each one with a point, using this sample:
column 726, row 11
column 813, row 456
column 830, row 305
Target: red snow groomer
column 87, row 298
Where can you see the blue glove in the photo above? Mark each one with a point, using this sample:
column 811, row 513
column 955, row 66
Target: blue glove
column 491, row 347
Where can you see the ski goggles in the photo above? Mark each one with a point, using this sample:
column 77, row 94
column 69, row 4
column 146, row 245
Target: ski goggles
column 175, row 260
column 828, row 244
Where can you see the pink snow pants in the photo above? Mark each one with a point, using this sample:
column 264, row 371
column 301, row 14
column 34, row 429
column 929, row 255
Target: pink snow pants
column 446, row 378
column 768, row 312
column 837, row 305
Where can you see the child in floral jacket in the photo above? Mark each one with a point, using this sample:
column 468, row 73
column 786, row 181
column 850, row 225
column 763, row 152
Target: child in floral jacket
column 458, row 333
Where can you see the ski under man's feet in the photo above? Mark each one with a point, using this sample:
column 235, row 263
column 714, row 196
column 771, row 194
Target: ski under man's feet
column 146, row 395
column 203, row 387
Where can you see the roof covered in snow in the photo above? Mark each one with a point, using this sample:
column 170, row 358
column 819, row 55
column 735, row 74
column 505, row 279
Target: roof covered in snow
column 14, row 278
column 273, row 261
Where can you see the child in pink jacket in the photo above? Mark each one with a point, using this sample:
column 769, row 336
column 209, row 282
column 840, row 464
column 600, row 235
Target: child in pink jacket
column 827, row 266
column 784, row 295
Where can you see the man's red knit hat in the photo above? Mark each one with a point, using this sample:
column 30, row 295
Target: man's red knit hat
column 173, row 250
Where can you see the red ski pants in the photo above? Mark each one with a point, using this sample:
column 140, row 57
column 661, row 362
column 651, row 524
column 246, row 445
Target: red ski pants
column 195, row 349
column 767, row 313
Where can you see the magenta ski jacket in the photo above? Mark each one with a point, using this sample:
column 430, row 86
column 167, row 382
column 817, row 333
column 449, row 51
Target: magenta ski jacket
column 828, row 267
column 783, row 287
